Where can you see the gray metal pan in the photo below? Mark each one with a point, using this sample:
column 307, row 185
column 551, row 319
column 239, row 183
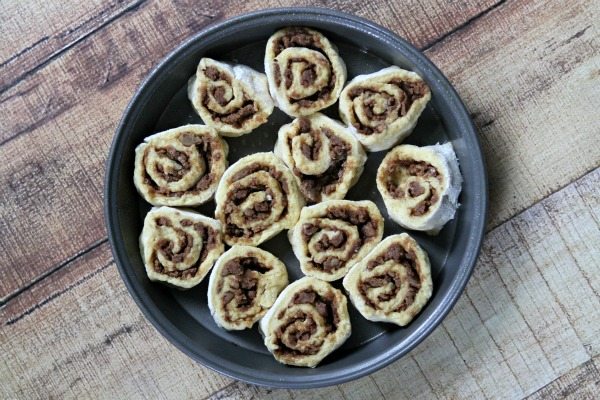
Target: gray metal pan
column 183, row 317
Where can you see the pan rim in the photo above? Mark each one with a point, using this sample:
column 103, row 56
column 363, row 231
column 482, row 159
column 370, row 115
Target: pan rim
column 378, row 361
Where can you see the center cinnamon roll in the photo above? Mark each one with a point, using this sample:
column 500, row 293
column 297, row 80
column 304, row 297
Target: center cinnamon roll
column 256, row 199
column 324, row 157
column 304, row 70
column 333, row 235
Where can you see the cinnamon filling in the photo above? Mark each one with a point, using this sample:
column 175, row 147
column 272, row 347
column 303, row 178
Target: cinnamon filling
column 367, row 229
column 313, row 186
column 400, row 256
column 299, row 37
column 243, row 282
column 412, row 91
column 236, row 118
column 182, row 158
column 260, row 210
column 209, row 150
column 414, row 168
column 418, row 168
column 310, row 152
column 214, row 74
column 423, row 207
column 298, row 335
column 207, row 234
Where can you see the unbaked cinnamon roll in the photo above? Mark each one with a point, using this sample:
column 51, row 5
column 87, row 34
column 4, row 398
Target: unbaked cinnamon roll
column 330, row 237
column 304, row 70
column 234, row 99
column 420, row 186
column 243, row 285
column 181, row 166
column 392, row 283
column 382, row 108
column 179, row 247
column 324, row 157
column 308, row 321
column 256, row 199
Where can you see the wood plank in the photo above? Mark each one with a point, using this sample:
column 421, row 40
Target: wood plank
column 37, row 31
column 53, row 195
column 79, row 345
column 508, row 336
column 581, row 383
column 532, row 87
column 512, row 342
column 33, row 31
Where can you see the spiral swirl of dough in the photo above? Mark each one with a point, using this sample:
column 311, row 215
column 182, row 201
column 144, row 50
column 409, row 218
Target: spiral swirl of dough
column 304, row 71
column 234, row 99
column 256, row 199
column 179, row 247
column 420, row 185
column 181, row 166
column 382, row 108
column 243, row 285
column 333, row 235
column 308, row 321
column 324, row 157
column 393, row 282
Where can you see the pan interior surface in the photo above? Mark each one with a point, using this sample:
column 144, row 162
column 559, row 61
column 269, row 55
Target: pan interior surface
column 183, row 316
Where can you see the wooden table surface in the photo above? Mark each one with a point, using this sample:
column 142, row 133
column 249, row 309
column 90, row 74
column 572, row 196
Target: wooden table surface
column 528, row 323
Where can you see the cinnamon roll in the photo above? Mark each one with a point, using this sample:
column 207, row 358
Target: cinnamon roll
column 304, row 70
column 392, row 283
column 382, row 108
column 420, row 186
column 324, row 157
column 330, row 237
column 243, row 285
column 234, row 99
column 179, row 247
column 181, row 166
column 256, row 199
column 308, row 321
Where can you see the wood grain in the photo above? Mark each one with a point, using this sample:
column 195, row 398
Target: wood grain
column 528, row 321
column 34, row 31
column 500, row 340
column 75, row 344
column 53, row 195
column 529, row 73
column 581, row 383
column 93, row 80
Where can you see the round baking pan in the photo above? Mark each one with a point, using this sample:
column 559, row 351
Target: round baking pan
column 183, row 316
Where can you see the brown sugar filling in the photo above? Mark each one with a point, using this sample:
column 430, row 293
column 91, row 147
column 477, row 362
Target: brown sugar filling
column 367, row 229
column 412, row 91
column 400, row 256
column 325, row 305
column 260, row 210
column 209, row 237
column 314, row 186
column 236, row 118
column 208, row 148
column 243, row 283
column 299, row 37
column 414, row 168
